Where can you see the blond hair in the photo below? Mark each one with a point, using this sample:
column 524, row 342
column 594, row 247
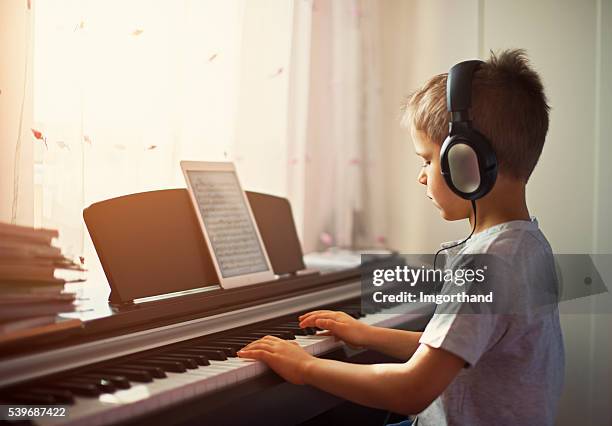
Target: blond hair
column 509, row 108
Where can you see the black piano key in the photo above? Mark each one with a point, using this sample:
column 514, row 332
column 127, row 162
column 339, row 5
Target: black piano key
column 166, row 365
column 61, row 396
column 353, row 310
column 17, row 422
column 228, row 350
column 367, row 310
column 152, row 370
column 285, row 335
column 309, row 330
column 134, row 375
column 296, row 330
column 26, row 397
column 217, row 355
column 189, row 363
column 280, row 335
column 106, row 386
column 120, row 381
column 243, row 340
column 236, row 346
column 200, row 359
column 81, row 389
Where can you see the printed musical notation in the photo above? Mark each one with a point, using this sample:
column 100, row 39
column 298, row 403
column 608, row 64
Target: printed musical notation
column 229, row 226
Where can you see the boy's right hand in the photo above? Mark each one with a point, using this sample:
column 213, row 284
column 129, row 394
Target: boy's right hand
column 338, row 324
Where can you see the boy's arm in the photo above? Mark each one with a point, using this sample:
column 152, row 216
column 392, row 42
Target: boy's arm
column 402, row 388
column 399, row 344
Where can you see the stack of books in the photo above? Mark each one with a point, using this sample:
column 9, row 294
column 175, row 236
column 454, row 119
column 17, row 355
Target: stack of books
column 31, row 282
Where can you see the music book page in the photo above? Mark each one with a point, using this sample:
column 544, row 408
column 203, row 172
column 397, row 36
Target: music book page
column 230, row 228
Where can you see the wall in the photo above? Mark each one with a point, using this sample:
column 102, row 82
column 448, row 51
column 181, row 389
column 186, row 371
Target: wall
column 417, row 43
column 570, row 45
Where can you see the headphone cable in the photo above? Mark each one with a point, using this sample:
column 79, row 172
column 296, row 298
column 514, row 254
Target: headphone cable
column 462, row 242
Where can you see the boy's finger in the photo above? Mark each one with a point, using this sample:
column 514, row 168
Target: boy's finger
column 313, row 313
column 257, row 345
column 310, row 321
column 270, row 338
column 255, row 354
column 328, row 324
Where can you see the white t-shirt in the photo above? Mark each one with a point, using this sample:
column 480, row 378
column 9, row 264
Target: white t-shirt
column 514, row 362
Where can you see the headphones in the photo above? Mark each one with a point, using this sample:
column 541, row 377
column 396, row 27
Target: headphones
column 467, row 160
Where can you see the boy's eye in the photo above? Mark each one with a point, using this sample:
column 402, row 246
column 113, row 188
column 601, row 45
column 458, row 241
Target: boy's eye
column 426, row 163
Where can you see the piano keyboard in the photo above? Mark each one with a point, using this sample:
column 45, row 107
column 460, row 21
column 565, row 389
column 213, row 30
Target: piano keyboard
column 124, row 388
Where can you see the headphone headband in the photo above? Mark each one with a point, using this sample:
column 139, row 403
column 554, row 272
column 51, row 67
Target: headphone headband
column 459, row 89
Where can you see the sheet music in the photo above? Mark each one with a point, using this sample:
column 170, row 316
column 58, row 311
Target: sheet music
column 230, row 228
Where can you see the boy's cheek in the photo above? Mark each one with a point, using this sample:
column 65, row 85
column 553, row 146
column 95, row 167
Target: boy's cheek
column 451, row 206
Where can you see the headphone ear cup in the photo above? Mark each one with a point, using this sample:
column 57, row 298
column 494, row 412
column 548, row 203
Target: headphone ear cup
column 468, row 164
column 464, row 168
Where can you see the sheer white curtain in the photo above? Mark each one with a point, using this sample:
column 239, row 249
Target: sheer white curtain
column 289, row 91
column 336, row 149
column 126, row 89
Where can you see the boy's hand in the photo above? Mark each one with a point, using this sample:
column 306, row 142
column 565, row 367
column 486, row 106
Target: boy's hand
column 286, row 358
column 338, row 324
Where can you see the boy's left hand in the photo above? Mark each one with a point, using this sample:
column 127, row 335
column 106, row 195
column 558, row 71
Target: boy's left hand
column 286, row 358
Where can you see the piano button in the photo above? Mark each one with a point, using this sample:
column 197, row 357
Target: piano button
column 199, row 358
column 152, row 370
column 82, row 389
column 131, row 374
column 209, row 353
column 119, row 381
column 61, row 396
column 188, row 362
column 166, row 365
column 226, row 349
column 105, row 386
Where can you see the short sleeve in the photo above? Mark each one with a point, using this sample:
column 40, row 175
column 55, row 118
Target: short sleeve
column 468, row 330
column 467, row 336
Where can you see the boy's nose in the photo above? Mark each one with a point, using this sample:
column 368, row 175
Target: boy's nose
column 422, row 177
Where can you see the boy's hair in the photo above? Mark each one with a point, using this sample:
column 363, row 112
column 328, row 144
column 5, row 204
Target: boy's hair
column 509, row 108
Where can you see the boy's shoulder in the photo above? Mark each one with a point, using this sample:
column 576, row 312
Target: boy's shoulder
column 518, row 238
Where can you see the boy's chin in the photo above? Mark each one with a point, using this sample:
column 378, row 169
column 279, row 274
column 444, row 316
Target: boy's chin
column 451, row 216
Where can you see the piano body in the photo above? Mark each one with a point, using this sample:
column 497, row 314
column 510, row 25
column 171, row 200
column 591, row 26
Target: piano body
column 173, row 360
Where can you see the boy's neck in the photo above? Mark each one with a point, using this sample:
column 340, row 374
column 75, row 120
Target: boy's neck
column 506, row 202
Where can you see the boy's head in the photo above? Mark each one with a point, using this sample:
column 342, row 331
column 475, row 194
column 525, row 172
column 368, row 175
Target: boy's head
column 509, row 108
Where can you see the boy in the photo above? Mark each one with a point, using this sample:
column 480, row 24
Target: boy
column 464, row 369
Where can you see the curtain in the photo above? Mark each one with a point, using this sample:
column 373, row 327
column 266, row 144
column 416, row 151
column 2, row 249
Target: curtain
column 16, row 153
column 126, row 89
column 337, row 175
column 289, row 91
